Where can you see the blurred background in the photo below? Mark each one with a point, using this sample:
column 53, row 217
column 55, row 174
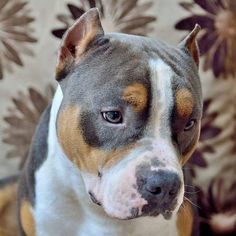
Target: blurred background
column 30, row 33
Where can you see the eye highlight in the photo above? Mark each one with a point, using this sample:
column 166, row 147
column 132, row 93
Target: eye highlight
column 114, row 117
column 190, row 124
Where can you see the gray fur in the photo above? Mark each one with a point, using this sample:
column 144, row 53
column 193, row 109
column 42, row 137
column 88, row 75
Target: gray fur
column 37, row 155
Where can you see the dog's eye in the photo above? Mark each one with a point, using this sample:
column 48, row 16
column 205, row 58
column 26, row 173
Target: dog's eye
column 189, row 125
column 114, row 117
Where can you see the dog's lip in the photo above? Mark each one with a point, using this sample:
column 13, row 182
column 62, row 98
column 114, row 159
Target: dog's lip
column 167, row 214
column 125, row 218
column 94, row 199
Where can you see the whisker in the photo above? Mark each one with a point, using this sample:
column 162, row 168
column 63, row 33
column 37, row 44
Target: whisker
column 187, row 168
column 191, row 202
column 194, row 192
column 186, row 185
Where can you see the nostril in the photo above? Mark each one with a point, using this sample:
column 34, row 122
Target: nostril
column 157, row 190
column 154, row 190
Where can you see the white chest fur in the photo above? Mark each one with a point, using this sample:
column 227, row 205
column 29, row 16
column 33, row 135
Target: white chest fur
column 62, row 206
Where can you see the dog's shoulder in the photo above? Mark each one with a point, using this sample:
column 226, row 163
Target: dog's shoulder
column 26, row 190
column 8, row 220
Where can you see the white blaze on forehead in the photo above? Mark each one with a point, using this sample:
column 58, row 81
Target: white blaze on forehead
column 162, row 104
column 162, row 97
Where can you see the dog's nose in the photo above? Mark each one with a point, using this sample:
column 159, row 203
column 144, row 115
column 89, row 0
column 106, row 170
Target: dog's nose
column 160, row 189
column 162, row 185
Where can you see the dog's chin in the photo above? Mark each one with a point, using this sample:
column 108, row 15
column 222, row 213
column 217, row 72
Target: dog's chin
column 124, row 218
column 167, row 214
column 130, row 213
column 121, row 213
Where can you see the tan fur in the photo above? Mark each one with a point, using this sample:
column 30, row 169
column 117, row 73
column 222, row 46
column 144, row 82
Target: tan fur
column 185, row 220
column 92, row 29
column 194, row 51
column 191, row 43
column 136, row 95
column 77, row 39
column 8, row 220
column 184, row 102
column 77, row 150
column 27, row 219
column 64, row 58
column 80, row 49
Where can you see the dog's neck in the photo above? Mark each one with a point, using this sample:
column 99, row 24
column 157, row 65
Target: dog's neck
column 61, row 182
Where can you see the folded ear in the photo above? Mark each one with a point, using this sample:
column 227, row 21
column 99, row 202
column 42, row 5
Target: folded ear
column 77, row 39
column 190, row 43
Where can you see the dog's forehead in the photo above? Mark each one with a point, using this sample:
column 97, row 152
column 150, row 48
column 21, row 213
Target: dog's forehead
column 125, row 61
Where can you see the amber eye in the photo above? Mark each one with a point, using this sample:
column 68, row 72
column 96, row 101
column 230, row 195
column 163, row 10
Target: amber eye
column 189, row 125
column 114, row 117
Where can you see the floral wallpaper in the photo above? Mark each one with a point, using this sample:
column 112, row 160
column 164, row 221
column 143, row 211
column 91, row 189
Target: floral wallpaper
column 218, row 39
column 30, row 33
column 15, row 34
column 118, row 16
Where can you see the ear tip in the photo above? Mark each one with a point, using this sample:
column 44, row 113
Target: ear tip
column 93, row 12
column 196, row 29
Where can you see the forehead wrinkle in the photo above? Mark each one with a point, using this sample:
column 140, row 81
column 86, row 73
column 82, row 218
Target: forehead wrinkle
column 162, row 98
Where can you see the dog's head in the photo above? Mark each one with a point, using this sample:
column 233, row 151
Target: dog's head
column 130, row 116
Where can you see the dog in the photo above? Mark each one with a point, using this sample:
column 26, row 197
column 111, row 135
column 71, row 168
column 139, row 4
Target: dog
column 108, row 154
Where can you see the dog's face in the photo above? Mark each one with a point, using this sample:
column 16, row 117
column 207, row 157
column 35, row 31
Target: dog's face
column 130, row 116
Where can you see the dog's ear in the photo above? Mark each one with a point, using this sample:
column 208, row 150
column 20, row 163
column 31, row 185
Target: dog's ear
column 77, row 39
column 190, row 43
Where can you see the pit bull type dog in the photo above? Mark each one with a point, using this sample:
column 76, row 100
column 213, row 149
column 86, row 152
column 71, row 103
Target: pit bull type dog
column 108, row 154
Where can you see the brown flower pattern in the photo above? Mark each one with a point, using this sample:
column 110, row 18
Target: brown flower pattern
column 22, row 120
column 14, row 33
column 218, row 205
column 116, row 15
column 233, row 137
column 218, row 40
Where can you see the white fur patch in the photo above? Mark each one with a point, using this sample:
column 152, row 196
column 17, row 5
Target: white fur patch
column 162, row 97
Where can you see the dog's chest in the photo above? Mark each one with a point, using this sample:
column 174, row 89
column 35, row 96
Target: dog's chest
column 82, row 225
column 138, row 227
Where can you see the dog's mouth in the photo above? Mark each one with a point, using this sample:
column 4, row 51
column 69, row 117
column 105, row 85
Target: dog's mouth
column 127, row 193
column 94, row 199
column 135, row 211
column 167, row 214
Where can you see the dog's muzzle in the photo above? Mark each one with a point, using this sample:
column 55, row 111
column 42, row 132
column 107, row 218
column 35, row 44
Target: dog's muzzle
column 148, row 182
